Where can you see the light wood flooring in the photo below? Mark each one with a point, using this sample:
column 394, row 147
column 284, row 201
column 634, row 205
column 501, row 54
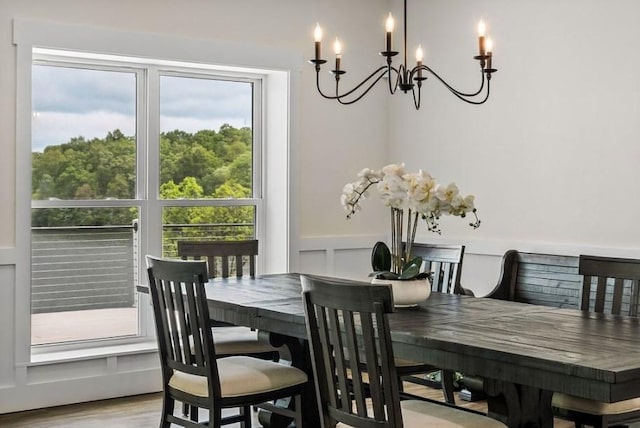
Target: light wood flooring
column 144, row 411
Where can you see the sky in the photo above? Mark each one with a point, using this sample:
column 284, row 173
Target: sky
column 74, row 102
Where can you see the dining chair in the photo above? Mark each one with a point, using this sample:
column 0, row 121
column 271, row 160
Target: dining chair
column 225, row 259
column 444, row 263
column 192, row 371
column 352, row 358
column 610, row 286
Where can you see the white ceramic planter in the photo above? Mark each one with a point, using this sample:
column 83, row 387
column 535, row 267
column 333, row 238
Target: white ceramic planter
column 407, row 292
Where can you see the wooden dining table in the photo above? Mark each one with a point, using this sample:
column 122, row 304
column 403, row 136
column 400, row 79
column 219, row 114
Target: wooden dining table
column 523, row 352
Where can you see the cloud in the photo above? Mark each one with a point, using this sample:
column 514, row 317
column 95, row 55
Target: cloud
column 64, row 89
column 204, row 98
column 71, row 102
column 54, row 128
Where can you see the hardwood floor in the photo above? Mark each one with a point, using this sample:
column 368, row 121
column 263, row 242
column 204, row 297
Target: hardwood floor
column 127, row 412
column 144, row 411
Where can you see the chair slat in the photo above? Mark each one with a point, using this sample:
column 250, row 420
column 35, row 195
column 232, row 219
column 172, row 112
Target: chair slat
column 601, row 290
column 351, row 340
column 586, row 293
column 635, row 296
column 618, row 289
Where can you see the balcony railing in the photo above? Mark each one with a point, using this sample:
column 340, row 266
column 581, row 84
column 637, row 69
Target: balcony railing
column 80, row 268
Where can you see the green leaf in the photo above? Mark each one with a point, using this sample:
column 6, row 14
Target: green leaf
column 384, row 274
column 381, row 257
column 411, row 269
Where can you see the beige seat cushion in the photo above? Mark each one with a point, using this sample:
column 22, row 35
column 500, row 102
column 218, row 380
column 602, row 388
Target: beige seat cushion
column 239, row 341
column 241, row 376
column 593, row 407
column 419, row 414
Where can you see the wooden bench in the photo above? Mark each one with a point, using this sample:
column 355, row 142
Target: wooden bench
column 541, row 279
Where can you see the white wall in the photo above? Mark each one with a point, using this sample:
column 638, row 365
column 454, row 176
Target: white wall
column 553, row 156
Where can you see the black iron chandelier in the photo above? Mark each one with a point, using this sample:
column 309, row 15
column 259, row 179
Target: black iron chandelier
column 404, row 78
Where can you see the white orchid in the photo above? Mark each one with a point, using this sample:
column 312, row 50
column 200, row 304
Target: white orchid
column 393, row 190
column 418, row 194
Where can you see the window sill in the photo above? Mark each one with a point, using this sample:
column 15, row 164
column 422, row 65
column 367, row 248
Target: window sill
column 50, row 357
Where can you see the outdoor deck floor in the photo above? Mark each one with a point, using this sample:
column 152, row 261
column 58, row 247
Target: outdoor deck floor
column 73, row 326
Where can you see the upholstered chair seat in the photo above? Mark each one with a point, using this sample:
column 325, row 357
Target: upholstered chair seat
column 241, row 376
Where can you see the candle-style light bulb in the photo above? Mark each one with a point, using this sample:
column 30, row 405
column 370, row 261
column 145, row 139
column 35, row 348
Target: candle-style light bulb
column 488, row 45
column 489, row 48
column 390, row 23
column 389, row 27
column 317, row 35
column 482, row 29
column 419, row 54
column 337, row 47
column 419, row 58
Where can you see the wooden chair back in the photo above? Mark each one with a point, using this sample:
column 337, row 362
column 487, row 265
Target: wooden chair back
column 349, row 336
column 224, row 257
column 185, row 341
column 610, row 285
column 445, row 264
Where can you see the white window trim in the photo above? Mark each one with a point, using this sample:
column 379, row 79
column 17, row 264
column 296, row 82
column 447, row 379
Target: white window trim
column 281, row 70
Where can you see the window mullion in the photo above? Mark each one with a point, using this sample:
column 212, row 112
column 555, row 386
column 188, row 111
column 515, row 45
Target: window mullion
column 153, row 213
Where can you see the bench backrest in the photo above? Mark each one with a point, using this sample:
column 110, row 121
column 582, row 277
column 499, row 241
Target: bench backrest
column 542, row 279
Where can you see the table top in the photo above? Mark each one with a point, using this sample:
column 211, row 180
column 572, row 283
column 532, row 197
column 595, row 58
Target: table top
column 590, row 355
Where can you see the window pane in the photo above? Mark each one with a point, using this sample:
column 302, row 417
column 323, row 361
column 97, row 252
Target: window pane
column 206, row 138
column 83, row 133
column 83, row 274
column 205, row 224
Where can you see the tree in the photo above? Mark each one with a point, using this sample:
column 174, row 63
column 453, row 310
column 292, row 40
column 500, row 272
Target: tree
column 206, row 164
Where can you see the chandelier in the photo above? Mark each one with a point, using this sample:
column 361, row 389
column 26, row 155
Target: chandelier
column 402, row 77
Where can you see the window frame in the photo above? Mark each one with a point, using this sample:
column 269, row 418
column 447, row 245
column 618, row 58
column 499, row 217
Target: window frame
column 282, row 68
column 147, row 198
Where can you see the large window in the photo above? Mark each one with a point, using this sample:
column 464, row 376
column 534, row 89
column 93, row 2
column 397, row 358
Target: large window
column 128, row 158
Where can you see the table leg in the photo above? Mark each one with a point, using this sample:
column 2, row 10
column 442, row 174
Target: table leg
column 519, row 406
column 300, row 358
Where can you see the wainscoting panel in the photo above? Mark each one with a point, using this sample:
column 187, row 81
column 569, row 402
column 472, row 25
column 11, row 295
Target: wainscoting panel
column 341, row 256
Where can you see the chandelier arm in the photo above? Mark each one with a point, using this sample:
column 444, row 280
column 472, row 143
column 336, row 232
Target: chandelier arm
column 346, row 94
column 359, row 97
column 448, row 86
column 394, row 88
column 471, row 101
column 416, row 101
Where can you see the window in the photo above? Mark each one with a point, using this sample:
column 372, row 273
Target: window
column 129, row 157
column 273, row 75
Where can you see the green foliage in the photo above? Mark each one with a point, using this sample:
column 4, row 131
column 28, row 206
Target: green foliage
column 381, row 264
column 203, row 165
column 380, row 257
